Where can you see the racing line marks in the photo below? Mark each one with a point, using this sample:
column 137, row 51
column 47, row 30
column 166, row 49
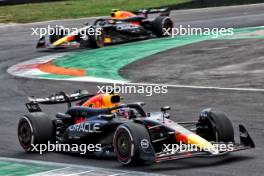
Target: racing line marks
column 80, row 173
column 71, row 169
column 51, row 171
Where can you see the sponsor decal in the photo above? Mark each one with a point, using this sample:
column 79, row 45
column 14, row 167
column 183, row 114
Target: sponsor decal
column 86, row 127
column 144, row 143
column 126, row 26
column 205, row 114
column 243, row 135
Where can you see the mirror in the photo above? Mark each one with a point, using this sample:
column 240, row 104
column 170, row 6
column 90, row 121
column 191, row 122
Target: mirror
column 165, row 108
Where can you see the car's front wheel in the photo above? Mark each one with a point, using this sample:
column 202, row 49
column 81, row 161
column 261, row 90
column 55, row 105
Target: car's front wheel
column 128, row 139
column 215, row 126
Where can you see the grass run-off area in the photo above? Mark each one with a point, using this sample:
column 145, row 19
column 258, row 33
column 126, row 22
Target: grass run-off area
column 74, row 9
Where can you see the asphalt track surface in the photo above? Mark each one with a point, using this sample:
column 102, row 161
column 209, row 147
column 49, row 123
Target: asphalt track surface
column 243, row 107
column 218, row 63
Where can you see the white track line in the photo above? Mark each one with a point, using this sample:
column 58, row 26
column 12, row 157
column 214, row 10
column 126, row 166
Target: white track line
column 80, row 173
column 94, row 80
column 50, row 171
column 86, row 169
column 198, row 87
column 118, row 174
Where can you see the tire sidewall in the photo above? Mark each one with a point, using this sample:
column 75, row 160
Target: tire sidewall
column 136, row 132
column 119, row 130
column 215, row 126
column 25, row 119
column 42, row 128
column 95, row 40
column 158, row 25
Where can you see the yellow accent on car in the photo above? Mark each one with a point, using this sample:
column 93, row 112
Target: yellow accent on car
column 107, row 40
column 107, row 100
column 200, row 143
column 61, row 41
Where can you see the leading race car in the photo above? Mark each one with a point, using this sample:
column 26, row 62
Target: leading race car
column 126, row 131
column 121, row 26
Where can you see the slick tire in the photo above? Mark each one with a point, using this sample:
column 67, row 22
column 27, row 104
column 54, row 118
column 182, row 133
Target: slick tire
column 216, row 127
column 160, row 25
column 127, row 140
column 34, row 128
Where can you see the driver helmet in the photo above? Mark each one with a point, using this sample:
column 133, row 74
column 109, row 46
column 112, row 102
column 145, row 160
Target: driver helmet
column 113, row 12
column 118, row 14
column 126, row 113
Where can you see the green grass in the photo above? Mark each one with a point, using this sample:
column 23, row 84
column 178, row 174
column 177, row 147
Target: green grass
column 74, row 9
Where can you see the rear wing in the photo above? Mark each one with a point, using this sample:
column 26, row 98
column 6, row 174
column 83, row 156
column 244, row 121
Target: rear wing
column 58, row 98
column 162, row 11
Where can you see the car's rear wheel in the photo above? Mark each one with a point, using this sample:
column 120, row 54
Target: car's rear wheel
column 215, row 126
column 127, row 140
column 162, row 26
column 34, row 128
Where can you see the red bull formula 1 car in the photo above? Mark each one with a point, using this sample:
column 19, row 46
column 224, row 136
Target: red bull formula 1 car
column 126, row 131
column 121, row 26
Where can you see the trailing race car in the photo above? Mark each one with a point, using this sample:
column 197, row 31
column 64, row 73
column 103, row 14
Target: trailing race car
column 126, row 131
column 122, row 26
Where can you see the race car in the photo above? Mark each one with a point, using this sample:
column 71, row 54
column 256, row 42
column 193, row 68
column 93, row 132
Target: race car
column 134, row 137
column 121, row 26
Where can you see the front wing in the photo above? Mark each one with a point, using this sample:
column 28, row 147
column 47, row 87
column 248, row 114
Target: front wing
column 44, row 44
column 246, row 142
